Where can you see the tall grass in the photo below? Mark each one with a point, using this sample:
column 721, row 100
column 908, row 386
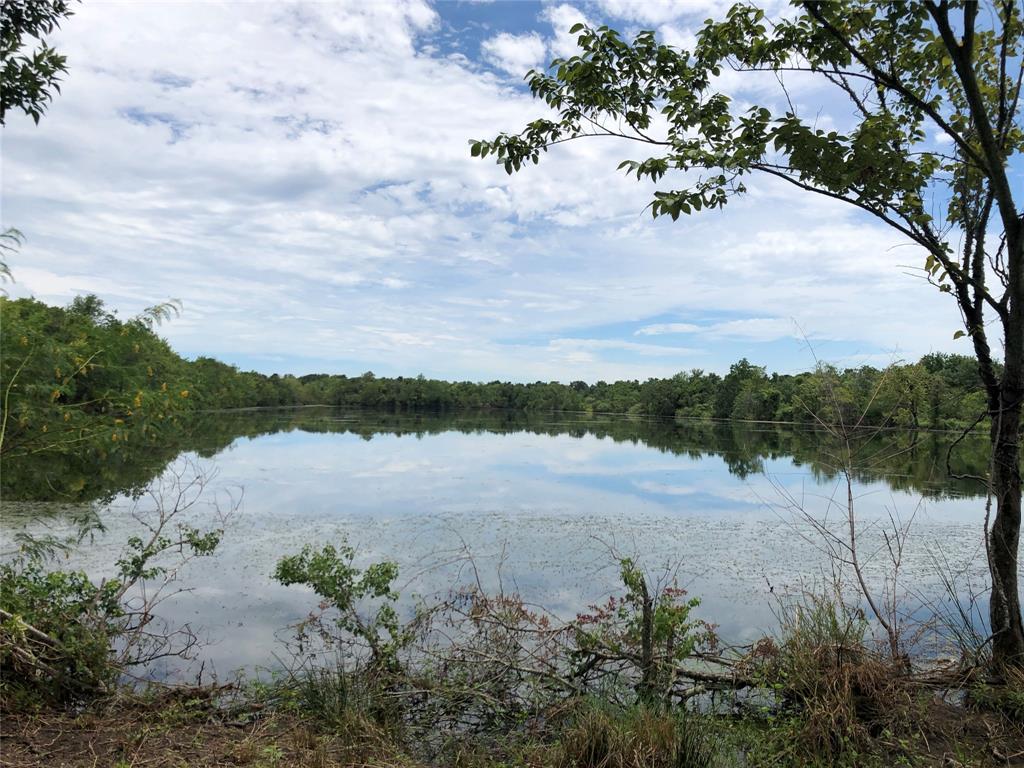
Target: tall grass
column 841, row 692
column 599, row 736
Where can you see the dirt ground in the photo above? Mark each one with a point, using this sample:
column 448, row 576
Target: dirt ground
column 140, row 737
column 176, row 734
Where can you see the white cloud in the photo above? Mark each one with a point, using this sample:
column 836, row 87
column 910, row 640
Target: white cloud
column 750, row 329
column 656, row 12
column 515, row 54
column 676, row 36
column 652, row 350
column 662, row 11
column 756, row 329
column 658, row 329
column 562, row 18
column 266, row 161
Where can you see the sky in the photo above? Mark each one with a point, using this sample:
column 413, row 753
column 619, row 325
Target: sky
column 299, row 176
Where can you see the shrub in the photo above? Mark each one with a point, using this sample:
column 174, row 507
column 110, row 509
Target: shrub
column 360, row 602
column 64, row 637
column 56, row 633
column 837, row 694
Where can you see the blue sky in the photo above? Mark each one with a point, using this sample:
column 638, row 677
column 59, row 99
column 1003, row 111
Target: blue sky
column 299, row 176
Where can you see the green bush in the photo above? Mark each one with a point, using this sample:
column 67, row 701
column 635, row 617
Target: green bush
column 361, row 601
column 56, row 634
column 64, row 637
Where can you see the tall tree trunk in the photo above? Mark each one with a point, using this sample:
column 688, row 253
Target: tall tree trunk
column 1004, row 534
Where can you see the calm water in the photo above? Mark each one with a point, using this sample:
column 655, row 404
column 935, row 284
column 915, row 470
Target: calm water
column 543, row 505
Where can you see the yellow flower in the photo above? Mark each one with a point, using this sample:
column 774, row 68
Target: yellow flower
column 113, row 437
column 67, row 416
column 184, row 393
column 55, row 394
column 45, row 428
column 163, row 387
column 137, row 402
column 24, row 341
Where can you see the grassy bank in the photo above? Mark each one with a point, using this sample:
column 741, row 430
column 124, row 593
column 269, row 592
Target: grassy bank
column 194, row 728
column 479, row 679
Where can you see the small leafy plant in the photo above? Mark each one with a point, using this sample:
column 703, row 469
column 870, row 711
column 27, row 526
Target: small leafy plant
column 357, row 606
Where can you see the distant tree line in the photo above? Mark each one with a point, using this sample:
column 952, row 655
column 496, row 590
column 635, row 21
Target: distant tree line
column 939, row 391
column 79, row 374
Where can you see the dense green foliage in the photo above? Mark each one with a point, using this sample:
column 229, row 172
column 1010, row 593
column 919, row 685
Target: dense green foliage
column 92, row 395
column 939, row 391
column 75, row 372
column 78, row 374
column 62, row 605
column 29, row 78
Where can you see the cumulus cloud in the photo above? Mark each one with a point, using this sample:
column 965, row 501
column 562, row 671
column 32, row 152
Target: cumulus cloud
column 657, row 12
column 679, row 37
column 562, row 18
column 515, row 54
column 661, row 11
column 299, row 176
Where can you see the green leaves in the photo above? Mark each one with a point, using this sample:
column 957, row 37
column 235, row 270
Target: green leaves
column 59, row 604
column 706, row 193
column 29, row 79
column 330, row 573
column 79, row 379
column 653, row 168
column 886, row 60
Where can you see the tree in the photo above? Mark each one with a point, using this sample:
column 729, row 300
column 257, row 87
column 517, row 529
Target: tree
column 30, row 78
column 908, row 71
column 739, row 374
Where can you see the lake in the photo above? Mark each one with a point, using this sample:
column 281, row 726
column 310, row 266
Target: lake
column 538, row 504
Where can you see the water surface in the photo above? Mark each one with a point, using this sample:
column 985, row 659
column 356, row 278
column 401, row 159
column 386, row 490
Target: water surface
column 543, row 505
